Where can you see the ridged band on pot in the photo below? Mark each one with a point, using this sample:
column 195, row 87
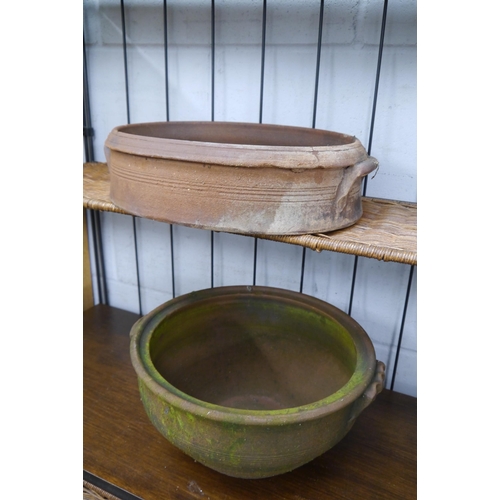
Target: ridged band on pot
column 252, row 443
column 238, row 177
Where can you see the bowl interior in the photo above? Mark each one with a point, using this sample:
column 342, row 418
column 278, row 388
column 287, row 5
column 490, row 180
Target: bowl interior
column 239, row 133
column 253, row 353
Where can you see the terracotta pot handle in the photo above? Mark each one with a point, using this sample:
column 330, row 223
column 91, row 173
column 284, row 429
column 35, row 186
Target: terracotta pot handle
column 365, row 167
column 351, row 175
column 374, row 388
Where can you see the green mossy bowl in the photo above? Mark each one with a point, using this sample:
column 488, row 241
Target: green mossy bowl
column 253, row 381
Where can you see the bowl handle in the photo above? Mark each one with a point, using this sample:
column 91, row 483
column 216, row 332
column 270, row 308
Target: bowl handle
column 374, row 388
column 351, row 174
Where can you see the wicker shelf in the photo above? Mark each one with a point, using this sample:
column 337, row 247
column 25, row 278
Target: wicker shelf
column 124, row 455
column 387, row 231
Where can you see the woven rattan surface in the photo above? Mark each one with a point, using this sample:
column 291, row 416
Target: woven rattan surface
column 91, row 492
column 386, row 231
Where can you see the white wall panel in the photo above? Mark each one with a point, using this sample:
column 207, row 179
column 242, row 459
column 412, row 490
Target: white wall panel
column 328, row 277
column 154, row 263
column 233, row 259
column 378, row 306
column 119, row 261
column 278, row 265
column 192, row 260
column 108, row 105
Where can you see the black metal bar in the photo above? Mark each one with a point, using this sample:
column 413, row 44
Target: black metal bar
column 353, row 283
column 398, row 349
column 254, row 261
column 262, row 60
column 212, row 22
column 315, row 107
column 94, row 216
column 212, row 258
column 261, row 106
column 125, row 63
column 318, row 60
column 110, row 488
column 137, row 265
column 124, row 43
column 167, row 106
column 213, row 58
column 377, row 80
column 165, row 45
column 172, row 258
column 302, row 269
column 372, row 125
column 99, row 256
column 92, row 228
column 88, row 132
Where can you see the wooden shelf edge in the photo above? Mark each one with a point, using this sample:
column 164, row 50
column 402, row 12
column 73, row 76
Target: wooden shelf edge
column 387, row 230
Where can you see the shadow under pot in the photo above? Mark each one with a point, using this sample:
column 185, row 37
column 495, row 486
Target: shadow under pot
column 253, row 381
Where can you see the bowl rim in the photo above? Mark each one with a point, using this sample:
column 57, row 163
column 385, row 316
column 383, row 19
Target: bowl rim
column 147, row 374
column 237, row 154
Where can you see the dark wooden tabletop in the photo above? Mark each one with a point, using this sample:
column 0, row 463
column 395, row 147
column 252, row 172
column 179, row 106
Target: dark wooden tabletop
column 123, row 451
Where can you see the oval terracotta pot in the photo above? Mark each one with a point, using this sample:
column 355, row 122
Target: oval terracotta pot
column 253, row 381
column 238, row 177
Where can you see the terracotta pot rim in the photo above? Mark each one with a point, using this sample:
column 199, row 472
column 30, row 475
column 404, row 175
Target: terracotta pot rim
column 352, row 390
column 238, row 154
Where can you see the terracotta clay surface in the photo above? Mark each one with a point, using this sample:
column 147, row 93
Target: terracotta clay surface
column 238, row 177
column 253, row 381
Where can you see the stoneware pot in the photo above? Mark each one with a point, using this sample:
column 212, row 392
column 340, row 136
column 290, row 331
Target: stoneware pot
column 253, row 381
column 238, row 177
